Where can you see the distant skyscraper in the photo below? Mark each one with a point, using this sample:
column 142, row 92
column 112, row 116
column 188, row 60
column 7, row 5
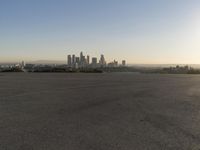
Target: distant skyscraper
column 69, row 60
column 82, row 60
column 73, row 60
column 81, row 54
column 77, row 60
column 115, row 63
column 94, row 62
column 102, row 61
column 23, row 64
column 123, row 63
column 88, row 59
column 81, row 57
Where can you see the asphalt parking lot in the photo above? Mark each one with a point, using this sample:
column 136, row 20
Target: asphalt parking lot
column 109, row 111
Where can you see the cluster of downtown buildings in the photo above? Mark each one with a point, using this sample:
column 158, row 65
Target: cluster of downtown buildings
column 74, row 64
column 85, row 62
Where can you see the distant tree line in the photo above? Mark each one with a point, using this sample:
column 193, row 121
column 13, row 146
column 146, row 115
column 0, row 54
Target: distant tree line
column 66, row 69
column 176, row 70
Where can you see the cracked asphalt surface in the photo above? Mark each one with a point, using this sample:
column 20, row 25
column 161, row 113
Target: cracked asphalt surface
column 109, row 111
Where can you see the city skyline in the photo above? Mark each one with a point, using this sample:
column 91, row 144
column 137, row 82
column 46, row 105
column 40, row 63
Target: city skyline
column 142, row 32
column 83, row 61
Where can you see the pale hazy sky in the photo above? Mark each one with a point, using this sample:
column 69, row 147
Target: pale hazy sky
column 140, row 31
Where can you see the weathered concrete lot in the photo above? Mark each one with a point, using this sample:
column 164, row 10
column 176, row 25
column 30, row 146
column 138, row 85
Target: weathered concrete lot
column 118, row 111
